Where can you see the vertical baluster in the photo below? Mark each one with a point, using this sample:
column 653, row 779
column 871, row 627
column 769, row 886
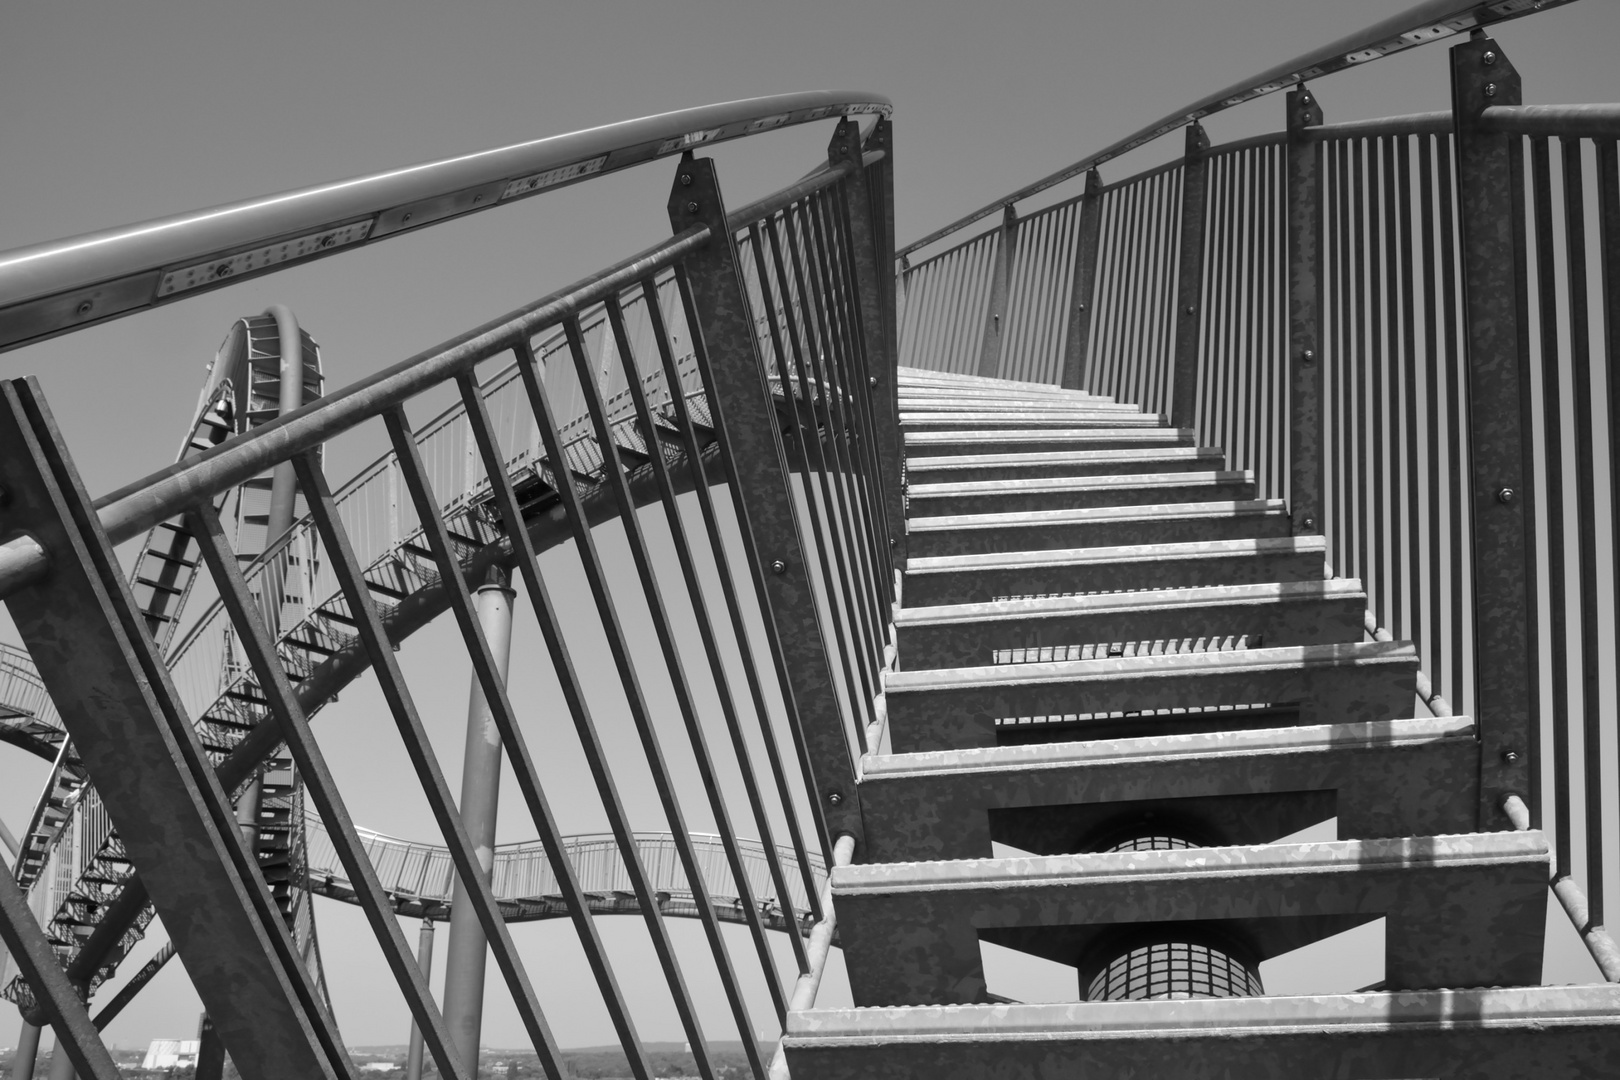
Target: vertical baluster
column 1190, row 278
column 995, row 316
column 1305, row 407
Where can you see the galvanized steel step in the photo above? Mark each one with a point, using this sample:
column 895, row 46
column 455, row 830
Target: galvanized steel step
column 972, row 467
column 1035, row 440
column 956, row 708
column 1460, row 910
column 1495, row 1033
column 966, row 579
column 1386, row 778
column 1076, row 492
column 1273, row 613
column 1045, row 530
column 1031, row 419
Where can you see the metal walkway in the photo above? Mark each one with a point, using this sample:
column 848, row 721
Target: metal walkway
column 1033, row 587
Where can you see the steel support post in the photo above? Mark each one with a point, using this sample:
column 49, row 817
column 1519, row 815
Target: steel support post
column 872, row 215
column 745, row 423
column 61, row 1065
column 210, row 1051
column 1306, row 462
column 1189, row 279
column 22, row 1062
column 424, row 960
column 995, row 315
column 85, row 632
column 468, row 948
column 1490, row 194
column 1076, row 343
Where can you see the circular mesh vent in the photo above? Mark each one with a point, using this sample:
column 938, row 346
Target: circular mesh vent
column 1152, row 843
column 1174, row 970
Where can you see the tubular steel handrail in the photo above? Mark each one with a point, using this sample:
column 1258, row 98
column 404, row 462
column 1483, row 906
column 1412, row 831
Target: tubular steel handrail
column 782, row 306
column 62, row 285
column 1424, row 22
column 1405, row 327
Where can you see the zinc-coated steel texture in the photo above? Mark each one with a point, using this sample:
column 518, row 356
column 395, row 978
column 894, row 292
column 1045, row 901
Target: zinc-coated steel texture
column 63, row 284
column 1421, row 23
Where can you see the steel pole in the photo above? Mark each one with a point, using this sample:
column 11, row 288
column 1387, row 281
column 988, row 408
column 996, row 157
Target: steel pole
column 467, row 951
column 22, row 1063
column 424, row 960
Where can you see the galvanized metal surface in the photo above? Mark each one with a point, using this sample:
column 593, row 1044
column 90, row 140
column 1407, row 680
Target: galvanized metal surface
column 1495, row 1034
column 1385, row 778
column 66, row 284
column 1306, row 420
column 1491, row 216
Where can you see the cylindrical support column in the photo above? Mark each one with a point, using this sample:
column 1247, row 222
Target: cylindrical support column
column 424, row 960
column 22, row 1064
column 61, row 1065
column 480, row 791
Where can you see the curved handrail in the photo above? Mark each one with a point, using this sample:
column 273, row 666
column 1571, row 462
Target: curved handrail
column 61, row 285
column 419, row 877
column 1425, row 22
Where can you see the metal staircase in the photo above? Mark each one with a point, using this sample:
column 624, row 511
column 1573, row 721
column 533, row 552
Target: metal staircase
column 1097, row 754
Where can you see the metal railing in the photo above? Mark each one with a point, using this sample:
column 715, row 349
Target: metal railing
column 1401, row 327
column 748, row 350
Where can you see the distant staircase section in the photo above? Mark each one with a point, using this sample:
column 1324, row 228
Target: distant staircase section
column 1121, row 687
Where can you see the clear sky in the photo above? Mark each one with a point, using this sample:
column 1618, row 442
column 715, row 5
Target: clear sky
column 116, row 112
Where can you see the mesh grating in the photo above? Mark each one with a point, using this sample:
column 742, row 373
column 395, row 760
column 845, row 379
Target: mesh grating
column 1107, row 650
column 1174, row 970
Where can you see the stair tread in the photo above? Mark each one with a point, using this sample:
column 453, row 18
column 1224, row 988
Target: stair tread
column 1412, row 854
column 1196, row 596
column 1210, row 478
column 1107, row 555
column 1061, row 457
column 1189, row 663
column 1215, row 508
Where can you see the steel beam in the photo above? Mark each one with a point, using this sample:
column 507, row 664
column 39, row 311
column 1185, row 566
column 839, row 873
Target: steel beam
column 741, row 402
column 1190, row 278
column 1490, row 195
column 1307, row 479
column 995, row 313
column 1077, row 343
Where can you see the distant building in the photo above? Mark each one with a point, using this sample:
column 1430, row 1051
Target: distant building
column 171, row 1053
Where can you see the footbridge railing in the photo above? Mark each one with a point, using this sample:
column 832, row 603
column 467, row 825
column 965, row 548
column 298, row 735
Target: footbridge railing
column 1406, row 327
column 751, row 350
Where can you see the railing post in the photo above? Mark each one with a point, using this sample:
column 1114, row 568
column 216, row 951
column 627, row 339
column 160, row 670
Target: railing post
column 745, row 422
column 1076, row 344
column 1490, row 197
column 870, row 201
column 1305, row 415
column 1189, row 279
column 995, row 314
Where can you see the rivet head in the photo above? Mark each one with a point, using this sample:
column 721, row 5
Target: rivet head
column 407, row 217
column 691, row 208
column 1490, row 89
column 835, row 799
column 778, row 566
column 222, row 270
column 1308, row 355
column 871, row 380
column 1309, row 523
column 84, row 307
column 1489, row 57
column 1510, row 756
column 1191, row 308
column 1506, row 495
